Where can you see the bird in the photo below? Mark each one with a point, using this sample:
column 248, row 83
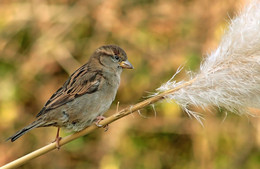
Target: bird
column 86, row 95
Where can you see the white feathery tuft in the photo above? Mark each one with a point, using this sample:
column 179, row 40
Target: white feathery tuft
column 230, row 76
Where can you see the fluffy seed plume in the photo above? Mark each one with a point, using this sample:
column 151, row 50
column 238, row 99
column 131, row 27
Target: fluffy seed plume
column 230, row 76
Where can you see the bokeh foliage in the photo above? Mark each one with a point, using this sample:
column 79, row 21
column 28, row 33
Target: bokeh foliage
column 42, row 42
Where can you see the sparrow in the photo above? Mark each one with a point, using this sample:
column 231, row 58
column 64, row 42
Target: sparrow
column 85, row 96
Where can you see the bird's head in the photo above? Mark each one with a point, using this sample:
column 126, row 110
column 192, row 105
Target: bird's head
column 112, row 57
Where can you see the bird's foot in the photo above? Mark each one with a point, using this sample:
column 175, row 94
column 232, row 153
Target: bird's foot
column 57, row 139
column 98, row 119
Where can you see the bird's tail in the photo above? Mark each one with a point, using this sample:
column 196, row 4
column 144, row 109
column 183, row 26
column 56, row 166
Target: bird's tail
column 33, row 125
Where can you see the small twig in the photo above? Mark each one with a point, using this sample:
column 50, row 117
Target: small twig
column 155, row 113
column 117, row 107
column 129, row 110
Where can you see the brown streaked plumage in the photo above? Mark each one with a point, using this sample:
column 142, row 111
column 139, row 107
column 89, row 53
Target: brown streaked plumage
column 86, row 95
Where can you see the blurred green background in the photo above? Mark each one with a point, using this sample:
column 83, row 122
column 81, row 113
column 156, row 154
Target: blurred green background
column 43, row 42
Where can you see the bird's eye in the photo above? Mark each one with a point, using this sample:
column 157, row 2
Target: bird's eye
column 117, row 57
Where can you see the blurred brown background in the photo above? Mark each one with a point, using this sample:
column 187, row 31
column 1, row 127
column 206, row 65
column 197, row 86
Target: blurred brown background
column 42, row 42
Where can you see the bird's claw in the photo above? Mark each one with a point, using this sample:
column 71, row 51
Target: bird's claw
column 106, row 127
column 100, row 118
column 98, row 125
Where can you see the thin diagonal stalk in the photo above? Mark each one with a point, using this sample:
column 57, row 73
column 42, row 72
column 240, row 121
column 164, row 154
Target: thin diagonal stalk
column 131, row 109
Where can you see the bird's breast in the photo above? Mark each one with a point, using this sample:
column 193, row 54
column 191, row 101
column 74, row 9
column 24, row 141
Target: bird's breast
column 83, row 111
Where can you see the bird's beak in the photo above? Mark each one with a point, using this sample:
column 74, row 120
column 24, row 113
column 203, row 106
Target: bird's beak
column 126, row 65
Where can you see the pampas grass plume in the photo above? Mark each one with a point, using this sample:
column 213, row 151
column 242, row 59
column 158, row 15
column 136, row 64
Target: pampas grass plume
column 229, row 77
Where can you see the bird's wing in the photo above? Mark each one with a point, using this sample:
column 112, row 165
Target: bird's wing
column 81, row 82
